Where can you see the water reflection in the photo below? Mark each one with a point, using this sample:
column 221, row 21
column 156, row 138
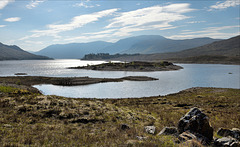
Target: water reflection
column 193, row 75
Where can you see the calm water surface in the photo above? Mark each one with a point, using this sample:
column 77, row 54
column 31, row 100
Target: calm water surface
column 193, row 75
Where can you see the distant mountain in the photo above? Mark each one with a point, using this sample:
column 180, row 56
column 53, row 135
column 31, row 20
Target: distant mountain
column 228, row 47
column 13, row 52
column 163, row 45
column 224, row 51
column 73, row 50
column 145, row 44
column 126, row 45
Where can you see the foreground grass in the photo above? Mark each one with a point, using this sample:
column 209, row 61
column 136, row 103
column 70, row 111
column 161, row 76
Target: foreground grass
column 30, row 118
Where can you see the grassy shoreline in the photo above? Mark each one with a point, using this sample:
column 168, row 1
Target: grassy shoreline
column 29, row 118
column 67, row 81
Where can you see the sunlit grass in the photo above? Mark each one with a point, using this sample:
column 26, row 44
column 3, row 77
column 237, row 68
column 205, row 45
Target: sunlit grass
column 38, row 120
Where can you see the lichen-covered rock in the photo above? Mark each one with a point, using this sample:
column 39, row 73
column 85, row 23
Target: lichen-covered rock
column 150, row 129
column 226, row 142
column 168, row 131
column 234, row 132
column 224, row 132
column 185, row 136
column 196, row 122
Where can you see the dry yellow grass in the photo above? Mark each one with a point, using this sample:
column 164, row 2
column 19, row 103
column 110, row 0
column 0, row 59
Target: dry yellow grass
column 28, row 118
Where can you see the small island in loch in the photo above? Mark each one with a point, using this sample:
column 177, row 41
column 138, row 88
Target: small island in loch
column 132, row 66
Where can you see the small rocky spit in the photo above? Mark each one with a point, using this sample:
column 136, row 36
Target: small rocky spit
column 194, row 130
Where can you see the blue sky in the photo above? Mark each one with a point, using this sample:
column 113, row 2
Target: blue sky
column 35, row 24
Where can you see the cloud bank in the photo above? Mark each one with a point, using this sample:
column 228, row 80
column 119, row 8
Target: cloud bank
column 4, row 3
column 155, row 17
column 224, row 5
column 213, row 32
column 76, row 22
column 34, row 3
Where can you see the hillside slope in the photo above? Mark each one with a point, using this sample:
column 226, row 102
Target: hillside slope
column 163, row 45
column 73, row 50
column 228, row 47
column 125, row 45
column 15, row 53
column 145, row 44
column 224, row 51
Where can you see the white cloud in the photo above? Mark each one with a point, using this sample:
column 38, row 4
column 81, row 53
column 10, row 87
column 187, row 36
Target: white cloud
column 192, row 22
column 85, row 5
column 4, row 3
column 102, row 32
column 223, row 5
column 212, row 29
column 155, row 17
column 34, row 3
column 213, row 32
column 94, row 35
column 34, row 42
column 81, row 20
column 1, row 26
column 12, row 19
column 76, row 22
column 73, row 39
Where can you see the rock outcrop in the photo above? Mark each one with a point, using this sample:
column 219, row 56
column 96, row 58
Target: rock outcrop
column 169, row 131
column 226, row 142
column 193, row 127
column 230, row 138
column 194, row 130
column 186, row 136
column 234, row 132
column 150, row 129
column 197, row 123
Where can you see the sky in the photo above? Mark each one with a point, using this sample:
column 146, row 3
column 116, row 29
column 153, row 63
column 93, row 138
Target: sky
column 36, row 24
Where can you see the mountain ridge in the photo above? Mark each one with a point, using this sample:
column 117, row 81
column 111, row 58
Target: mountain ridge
column 13, row 52
column 72, row 50
column 144, row 44
column 223, row 52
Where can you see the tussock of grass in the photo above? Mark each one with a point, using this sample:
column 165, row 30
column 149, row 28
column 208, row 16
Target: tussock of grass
column 38, row 120
column 7, row 89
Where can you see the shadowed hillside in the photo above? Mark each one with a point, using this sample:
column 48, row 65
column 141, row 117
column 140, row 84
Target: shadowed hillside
column 225, row 51
column 145, row 44
column 15, row 53
column 73, row 50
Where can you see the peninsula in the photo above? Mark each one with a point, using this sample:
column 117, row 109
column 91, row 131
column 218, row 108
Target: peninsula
column 67, row 81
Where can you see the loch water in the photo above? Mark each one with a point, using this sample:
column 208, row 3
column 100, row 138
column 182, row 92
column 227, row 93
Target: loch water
column 192, row 75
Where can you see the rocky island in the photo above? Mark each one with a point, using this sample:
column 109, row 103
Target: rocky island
column 132, row 66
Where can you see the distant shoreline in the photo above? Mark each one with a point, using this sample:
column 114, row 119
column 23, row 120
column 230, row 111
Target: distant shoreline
column 175, row 61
